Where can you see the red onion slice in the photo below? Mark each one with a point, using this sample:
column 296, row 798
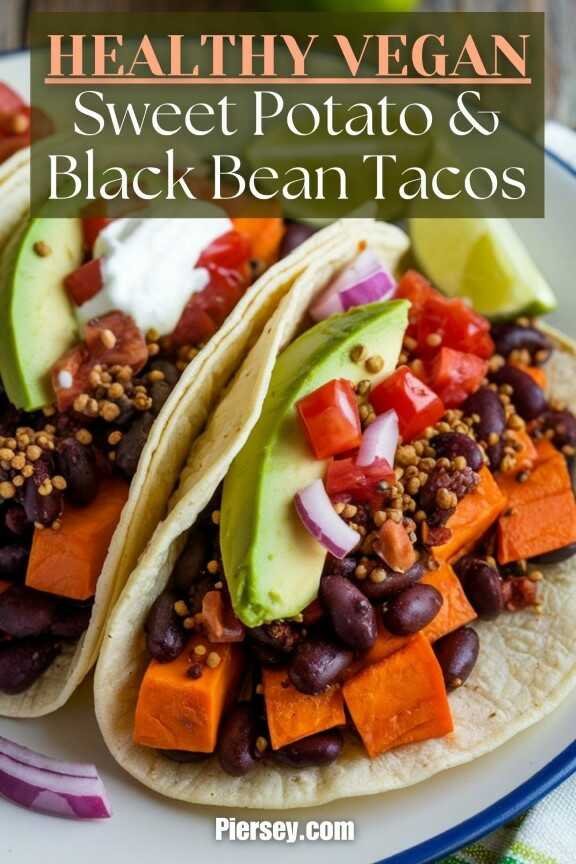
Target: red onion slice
column 363, row 281
column 377, row 286
column 25, row 756
column 321, row 520
column 380, row 440
column 50, row 786
column 330, row 301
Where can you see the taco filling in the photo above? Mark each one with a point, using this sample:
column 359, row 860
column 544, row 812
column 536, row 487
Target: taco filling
column 87, row 362
column 408, row 475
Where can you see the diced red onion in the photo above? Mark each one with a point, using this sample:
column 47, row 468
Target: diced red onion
column 378, row 286
column 69, row 789
column 380, row 440
column 319, row 518
column 362, row 281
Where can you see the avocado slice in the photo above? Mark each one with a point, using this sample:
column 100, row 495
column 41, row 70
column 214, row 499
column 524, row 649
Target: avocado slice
column 37, row 320
column 272, row 564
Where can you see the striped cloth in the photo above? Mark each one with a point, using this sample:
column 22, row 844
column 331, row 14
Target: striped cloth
column 544, row 835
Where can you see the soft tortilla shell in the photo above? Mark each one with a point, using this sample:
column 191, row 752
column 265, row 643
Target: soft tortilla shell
column 168, row 445
column 527, row 663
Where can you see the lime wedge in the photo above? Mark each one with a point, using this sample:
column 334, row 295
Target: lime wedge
column 484, row 260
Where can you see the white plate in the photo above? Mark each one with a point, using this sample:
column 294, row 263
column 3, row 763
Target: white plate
column 412, row 826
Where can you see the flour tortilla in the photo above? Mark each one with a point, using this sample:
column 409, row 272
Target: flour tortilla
column 169, row 442
column 527, row 662
column 14, row 193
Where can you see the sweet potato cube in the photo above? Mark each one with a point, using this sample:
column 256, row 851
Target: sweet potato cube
column 400, row 699
column 68, row 561
column 455, row 611
column 293, row 715
column 538, row 526
column 176, row 712
column 475, row 513
column 526, row 455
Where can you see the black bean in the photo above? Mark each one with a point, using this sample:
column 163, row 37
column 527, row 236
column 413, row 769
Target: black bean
column 25, row 612
column 486, row 404
column 44, row 509
column 557, row 555
column 457, row 654
column 16, row 522
column 168, row 369
column 339, row 566
column 189, row 567
column 562, row 424
column 159, row 393
column 71, row 620
column 318, row 664
column 77, row 464
column 528, row 398
column 184, row 756
column 130, row 447
column 165, row 635
column 392, row 584
column 510, row 337
column 452, row 444
column 267, row 656
column 237, row 752
column 280, row 636
column 412, row 609
column 13, row 561
column 24, row 660
column 351, row 614
column 197, row 592
column 482, row 585
column 315, row 750
column 296, row 233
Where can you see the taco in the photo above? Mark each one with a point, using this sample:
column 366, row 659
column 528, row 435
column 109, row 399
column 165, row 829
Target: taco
column 117, row 337
column 364, row 578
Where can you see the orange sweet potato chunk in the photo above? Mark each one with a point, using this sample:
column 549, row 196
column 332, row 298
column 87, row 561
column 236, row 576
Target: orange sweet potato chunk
column 175, row 712
column 399, row 700
column 455, row 611
column 475, row 513
column 527, row 455
column 265, row 235
column 536, row 527
column 547, row 479
column 68, row 561
column 293, row 715
column 386, row 644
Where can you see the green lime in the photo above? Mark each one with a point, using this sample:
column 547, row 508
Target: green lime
column 482, row 259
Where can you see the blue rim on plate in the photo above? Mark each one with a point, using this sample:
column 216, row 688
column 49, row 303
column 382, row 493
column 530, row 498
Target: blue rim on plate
column 517, row 801
column 526, row 795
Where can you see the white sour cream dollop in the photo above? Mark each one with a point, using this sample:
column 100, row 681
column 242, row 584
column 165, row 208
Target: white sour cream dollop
column 148, row 268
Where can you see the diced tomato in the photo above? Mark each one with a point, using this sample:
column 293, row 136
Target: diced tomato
column 230, row 251
column 10, row 101
column 227, row 261
column 85, row 282
column 344, row 477
column 453, row 375
column 417, row 289
column 415, row 404
column 130, row 350
column 92, row 226
column 458, row 326
column 330, row 418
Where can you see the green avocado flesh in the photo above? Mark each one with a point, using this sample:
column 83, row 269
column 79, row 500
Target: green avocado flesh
column 37, row 321
column 272, row 564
